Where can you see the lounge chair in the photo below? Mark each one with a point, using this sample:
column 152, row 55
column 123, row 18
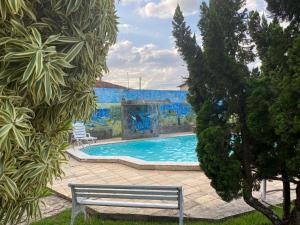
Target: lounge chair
column 80, row 134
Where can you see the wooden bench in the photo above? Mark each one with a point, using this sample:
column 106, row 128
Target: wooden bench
column 165, row 197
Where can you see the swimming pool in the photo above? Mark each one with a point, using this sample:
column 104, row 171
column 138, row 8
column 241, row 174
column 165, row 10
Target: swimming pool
column 172, row 149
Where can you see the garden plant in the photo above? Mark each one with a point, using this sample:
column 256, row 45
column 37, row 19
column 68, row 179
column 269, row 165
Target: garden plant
column 51, row 53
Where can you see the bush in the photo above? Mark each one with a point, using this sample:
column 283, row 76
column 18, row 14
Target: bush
column 51, row 53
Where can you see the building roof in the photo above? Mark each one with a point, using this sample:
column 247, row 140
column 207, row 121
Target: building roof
column 182, row 85
column 104, row 84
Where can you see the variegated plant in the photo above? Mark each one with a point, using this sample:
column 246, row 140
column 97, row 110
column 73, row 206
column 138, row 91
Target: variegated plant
column 51, row 52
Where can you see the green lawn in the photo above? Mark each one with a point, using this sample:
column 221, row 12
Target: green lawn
column 64, row 219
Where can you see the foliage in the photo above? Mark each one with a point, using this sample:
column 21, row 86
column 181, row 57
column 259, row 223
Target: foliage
column 51, row 53
column 247, row 122
column 191, row 52
column 285, row 9
column 220, row 78
column 273, row 106
column 226, row 76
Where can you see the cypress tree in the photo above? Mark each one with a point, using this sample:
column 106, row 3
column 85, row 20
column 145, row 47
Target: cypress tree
column 244, row 135
column 191, row 54
column 273, row 106
column 285, row 9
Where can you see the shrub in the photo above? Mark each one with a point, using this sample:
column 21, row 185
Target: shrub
column 51, row 53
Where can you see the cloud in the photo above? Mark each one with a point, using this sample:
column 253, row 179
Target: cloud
column 165, row 8
column 127, row 28
column 255, row 64
column 199, row 39
column 258, row 5
column 127, row 2
column 159, row 68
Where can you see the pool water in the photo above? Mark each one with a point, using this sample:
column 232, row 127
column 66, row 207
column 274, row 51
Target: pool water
column 174, row 149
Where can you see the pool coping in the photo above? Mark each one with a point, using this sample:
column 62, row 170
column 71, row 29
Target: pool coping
column 131, row 161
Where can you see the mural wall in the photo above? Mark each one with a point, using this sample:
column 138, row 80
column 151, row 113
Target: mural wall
column 173, row 112
column 140, row 119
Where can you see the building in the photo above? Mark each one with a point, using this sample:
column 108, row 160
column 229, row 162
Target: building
column 104, row 84
column 183, row 87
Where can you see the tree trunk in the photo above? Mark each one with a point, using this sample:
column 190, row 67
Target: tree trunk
column 286, row 196
column 295, row 216
column 253, row 202
column 247, row 174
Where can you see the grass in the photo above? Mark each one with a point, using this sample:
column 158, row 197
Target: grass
column 253, row 218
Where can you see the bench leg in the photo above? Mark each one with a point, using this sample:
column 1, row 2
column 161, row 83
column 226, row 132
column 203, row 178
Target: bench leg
column 180, row 204
column 181, row 217
column 75, row 211
column 73, row 215
column 85, row 213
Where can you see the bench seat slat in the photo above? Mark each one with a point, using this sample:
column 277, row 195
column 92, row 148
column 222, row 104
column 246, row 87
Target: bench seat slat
column 125, row 187
column 119, row 191
column 124, row 196
column 127, row 204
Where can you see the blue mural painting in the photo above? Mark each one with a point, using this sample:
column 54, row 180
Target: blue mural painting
column 113, row 95
column 139, row 121
column 180, row 109
column 109, row 100
column 100, row 113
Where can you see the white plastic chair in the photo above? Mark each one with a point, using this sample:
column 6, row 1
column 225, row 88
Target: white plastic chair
column 80, row 134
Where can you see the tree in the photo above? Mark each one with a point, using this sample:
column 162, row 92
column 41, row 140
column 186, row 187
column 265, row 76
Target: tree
column 274, row 107
column 242, row 120
column 51, row 53
column 285, row 9
column 191, row 53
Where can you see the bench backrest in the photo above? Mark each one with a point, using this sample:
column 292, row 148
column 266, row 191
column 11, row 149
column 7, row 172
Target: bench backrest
column 79, row 130
column 149, row 193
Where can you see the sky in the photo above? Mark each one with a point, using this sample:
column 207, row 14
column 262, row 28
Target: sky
column 145, row 46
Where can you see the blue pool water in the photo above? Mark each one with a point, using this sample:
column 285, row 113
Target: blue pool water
column 175, row 149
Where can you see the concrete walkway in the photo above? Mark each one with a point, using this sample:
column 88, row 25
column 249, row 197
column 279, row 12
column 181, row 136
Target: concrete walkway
column 200, row 199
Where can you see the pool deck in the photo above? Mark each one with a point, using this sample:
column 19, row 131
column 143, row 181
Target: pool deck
column 131, row 161
column 200, row 199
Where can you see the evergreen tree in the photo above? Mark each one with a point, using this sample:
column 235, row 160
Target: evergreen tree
column 273, row 108
column 191, row 53
column 242, row 128
column 285, row 9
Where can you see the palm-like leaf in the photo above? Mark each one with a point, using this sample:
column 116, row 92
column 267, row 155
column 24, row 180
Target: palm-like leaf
column 51, row 53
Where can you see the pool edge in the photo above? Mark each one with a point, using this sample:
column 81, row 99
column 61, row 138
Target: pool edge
column 133, row 162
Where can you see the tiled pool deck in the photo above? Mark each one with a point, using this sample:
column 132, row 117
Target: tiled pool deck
column 200, row 199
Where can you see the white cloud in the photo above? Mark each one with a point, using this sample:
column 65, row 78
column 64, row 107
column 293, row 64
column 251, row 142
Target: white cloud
column 127, row 2
column 251, row 4
column 255, row 64
column 258, row 5
column 127, row 28
column 159, row 68
column 199, row 39
column 165, row 8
